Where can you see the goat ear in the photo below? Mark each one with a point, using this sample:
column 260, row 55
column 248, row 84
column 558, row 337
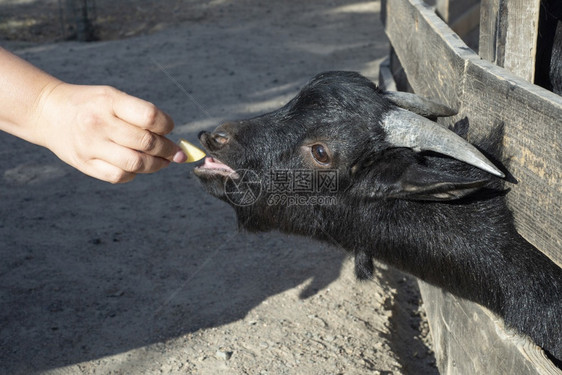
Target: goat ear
column 422, row 183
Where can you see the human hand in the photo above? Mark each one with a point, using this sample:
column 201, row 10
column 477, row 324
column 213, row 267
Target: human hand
column 104, row 132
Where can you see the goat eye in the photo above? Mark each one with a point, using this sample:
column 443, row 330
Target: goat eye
column 320, row 153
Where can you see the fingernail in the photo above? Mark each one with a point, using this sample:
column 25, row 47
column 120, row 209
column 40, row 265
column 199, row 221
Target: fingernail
column 179, row 157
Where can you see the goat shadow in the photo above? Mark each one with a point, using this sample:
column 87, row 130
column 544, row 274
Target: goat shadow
column 84, row 278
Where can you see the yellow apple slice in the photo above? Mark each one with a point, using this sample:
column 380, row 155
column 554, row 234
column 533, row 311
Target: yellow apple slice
column 193, row 153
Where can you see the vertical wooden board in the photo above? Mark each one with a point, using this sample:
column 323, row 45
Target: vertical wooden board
column 488, row 30
column 434, row 77
column 521, row 37
column 461, row 15
column 508, row 35
column 467, row 21
column 398, row 73
column 439, row 65
column 386, row 80
column 442, row 8
column 493, row 349
column 450, row 10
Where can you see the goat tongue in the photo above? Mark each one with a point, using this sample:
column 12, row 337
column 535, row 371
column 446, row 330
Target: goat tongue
column 215, row 166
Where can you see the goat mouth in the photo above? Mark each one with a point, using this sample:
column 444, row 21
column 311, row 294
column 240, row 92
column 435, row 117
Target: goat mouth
column 213, row 167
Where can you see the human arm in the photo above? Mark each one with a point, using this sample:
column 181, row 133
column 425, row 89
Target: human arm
column 99, row 130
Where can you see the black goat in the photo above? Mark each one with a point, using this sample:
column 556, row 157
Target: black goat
column 343, row 163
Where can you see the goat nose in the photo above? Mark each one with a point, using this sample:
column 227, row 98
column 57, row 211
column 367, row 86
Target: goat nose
column 214, row 141
column 220, row 137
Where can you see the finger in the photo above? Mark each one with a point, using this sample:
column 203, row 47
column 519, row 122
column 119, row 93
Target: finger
column 130, row 160
column 105, row 171
column 141, row 113
column 142, row 140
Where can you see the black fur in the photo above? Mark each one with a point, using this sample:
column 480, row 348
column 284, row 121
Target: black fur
column 392, row 204
column 548, row 70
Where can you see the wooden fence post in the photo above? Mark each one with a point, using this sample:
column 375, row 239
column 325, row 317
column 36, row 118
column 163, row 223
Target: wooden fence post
column 461, row 15
column 508, row 35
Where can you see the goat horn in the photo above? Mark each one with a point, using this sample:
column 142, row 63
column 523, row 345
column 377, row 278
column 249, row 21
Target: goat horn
column 419, row 105
column 407, row 129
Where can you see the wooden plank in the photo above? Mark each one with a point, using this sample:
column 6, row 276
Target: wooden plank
column 461, row 15
column 467, row 21
column 438, row 64
column 505, row 351
column 508, row 35
column 450, row 10
column 386, row 80
column 488, row 30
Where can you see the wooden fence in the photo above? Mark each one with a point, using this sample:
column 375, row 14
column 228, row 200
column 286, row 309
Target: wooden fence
column 491, row 88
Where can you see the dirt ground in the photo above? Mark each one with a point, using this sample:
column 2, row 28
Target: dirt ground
column 153, row 277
